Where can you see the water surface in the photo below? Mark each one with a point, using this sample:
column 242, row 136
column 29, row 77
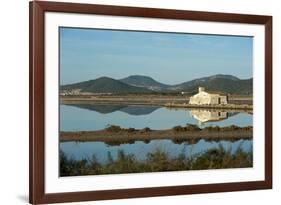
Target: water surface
column 97, row 117
column 101, row 151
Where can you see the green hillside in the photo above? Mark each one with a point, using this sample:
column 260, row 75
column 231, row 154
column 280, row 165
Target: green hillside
column 242, row 87
column 219, row 83
column 144, row 81
column 141, row 84
column 105, row 85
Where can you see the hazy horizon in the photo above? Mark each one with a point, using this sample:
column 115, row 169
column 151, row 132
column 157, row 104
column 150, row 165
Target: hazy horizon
column 169, row 58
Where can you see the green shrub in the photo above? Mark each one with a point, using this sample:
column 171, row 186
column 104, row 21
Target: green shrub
column 146, row 129
column 130, row 130
column 158, row 160
column 113, row 128
column 190, row 127
column 178, row 128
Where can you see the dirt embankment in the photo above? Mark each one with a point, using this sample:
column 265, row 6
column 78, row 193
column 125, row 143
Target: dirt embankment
column 227, row 107
column 159, row 100
column 177, row 133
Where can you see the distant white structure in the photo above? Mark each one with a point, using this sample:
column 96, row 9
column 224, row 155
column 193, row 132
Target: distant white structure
column 205, row 98
column 70, row 92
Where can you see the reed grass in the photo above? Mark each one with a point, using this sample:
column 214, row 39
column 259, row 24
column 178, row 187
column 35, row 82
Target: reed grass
column 157, row 161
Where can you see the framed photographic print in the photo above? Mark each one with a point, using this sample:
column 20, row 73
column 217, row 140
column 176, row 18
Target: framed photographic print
column 139, row 102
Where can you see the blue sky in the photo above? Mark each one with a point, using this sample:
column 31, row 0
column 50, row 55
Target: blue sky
column 167, row 57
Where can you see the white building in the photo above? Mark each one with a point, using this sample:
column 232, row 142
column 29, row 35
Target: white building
column 205, row 98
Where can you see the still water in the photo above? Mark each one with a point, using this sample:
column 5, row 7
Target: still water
column 97, row 117
column 86, row 150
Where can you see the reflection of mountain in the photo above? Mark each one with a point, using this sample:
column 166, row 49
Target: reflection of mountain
column 139, row 110
column 129, row 109
column 210, row 115
column 104, row 109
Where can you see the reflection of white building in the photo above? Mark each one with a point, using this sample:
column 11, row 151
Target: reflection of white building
column 205, row 98
column 208, row 115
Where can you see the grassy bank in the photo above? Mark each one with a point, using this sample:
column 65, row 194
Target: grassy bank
column 157, row 161
column 116, row 134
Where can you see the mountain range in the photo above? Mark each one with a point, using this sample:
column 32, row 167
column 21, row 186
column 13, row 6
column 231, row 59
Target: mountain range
column 145, row 82
column 227, row 84
column 105, row 85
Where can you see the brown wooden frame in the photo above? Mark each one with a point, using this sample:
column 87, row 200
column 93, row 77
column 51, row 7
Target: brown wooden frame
column 36, row 74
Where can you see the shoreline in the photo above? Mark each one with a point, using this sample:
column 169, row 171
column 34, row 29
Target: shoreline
column 243, row 107
column 177, row 133
column 235, row 102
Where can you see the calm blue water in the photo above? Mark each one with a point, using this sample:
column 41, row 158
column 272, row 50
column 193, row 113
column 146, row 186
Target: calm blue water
column 85, row 150
column 97, row 117
column 90, row 117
